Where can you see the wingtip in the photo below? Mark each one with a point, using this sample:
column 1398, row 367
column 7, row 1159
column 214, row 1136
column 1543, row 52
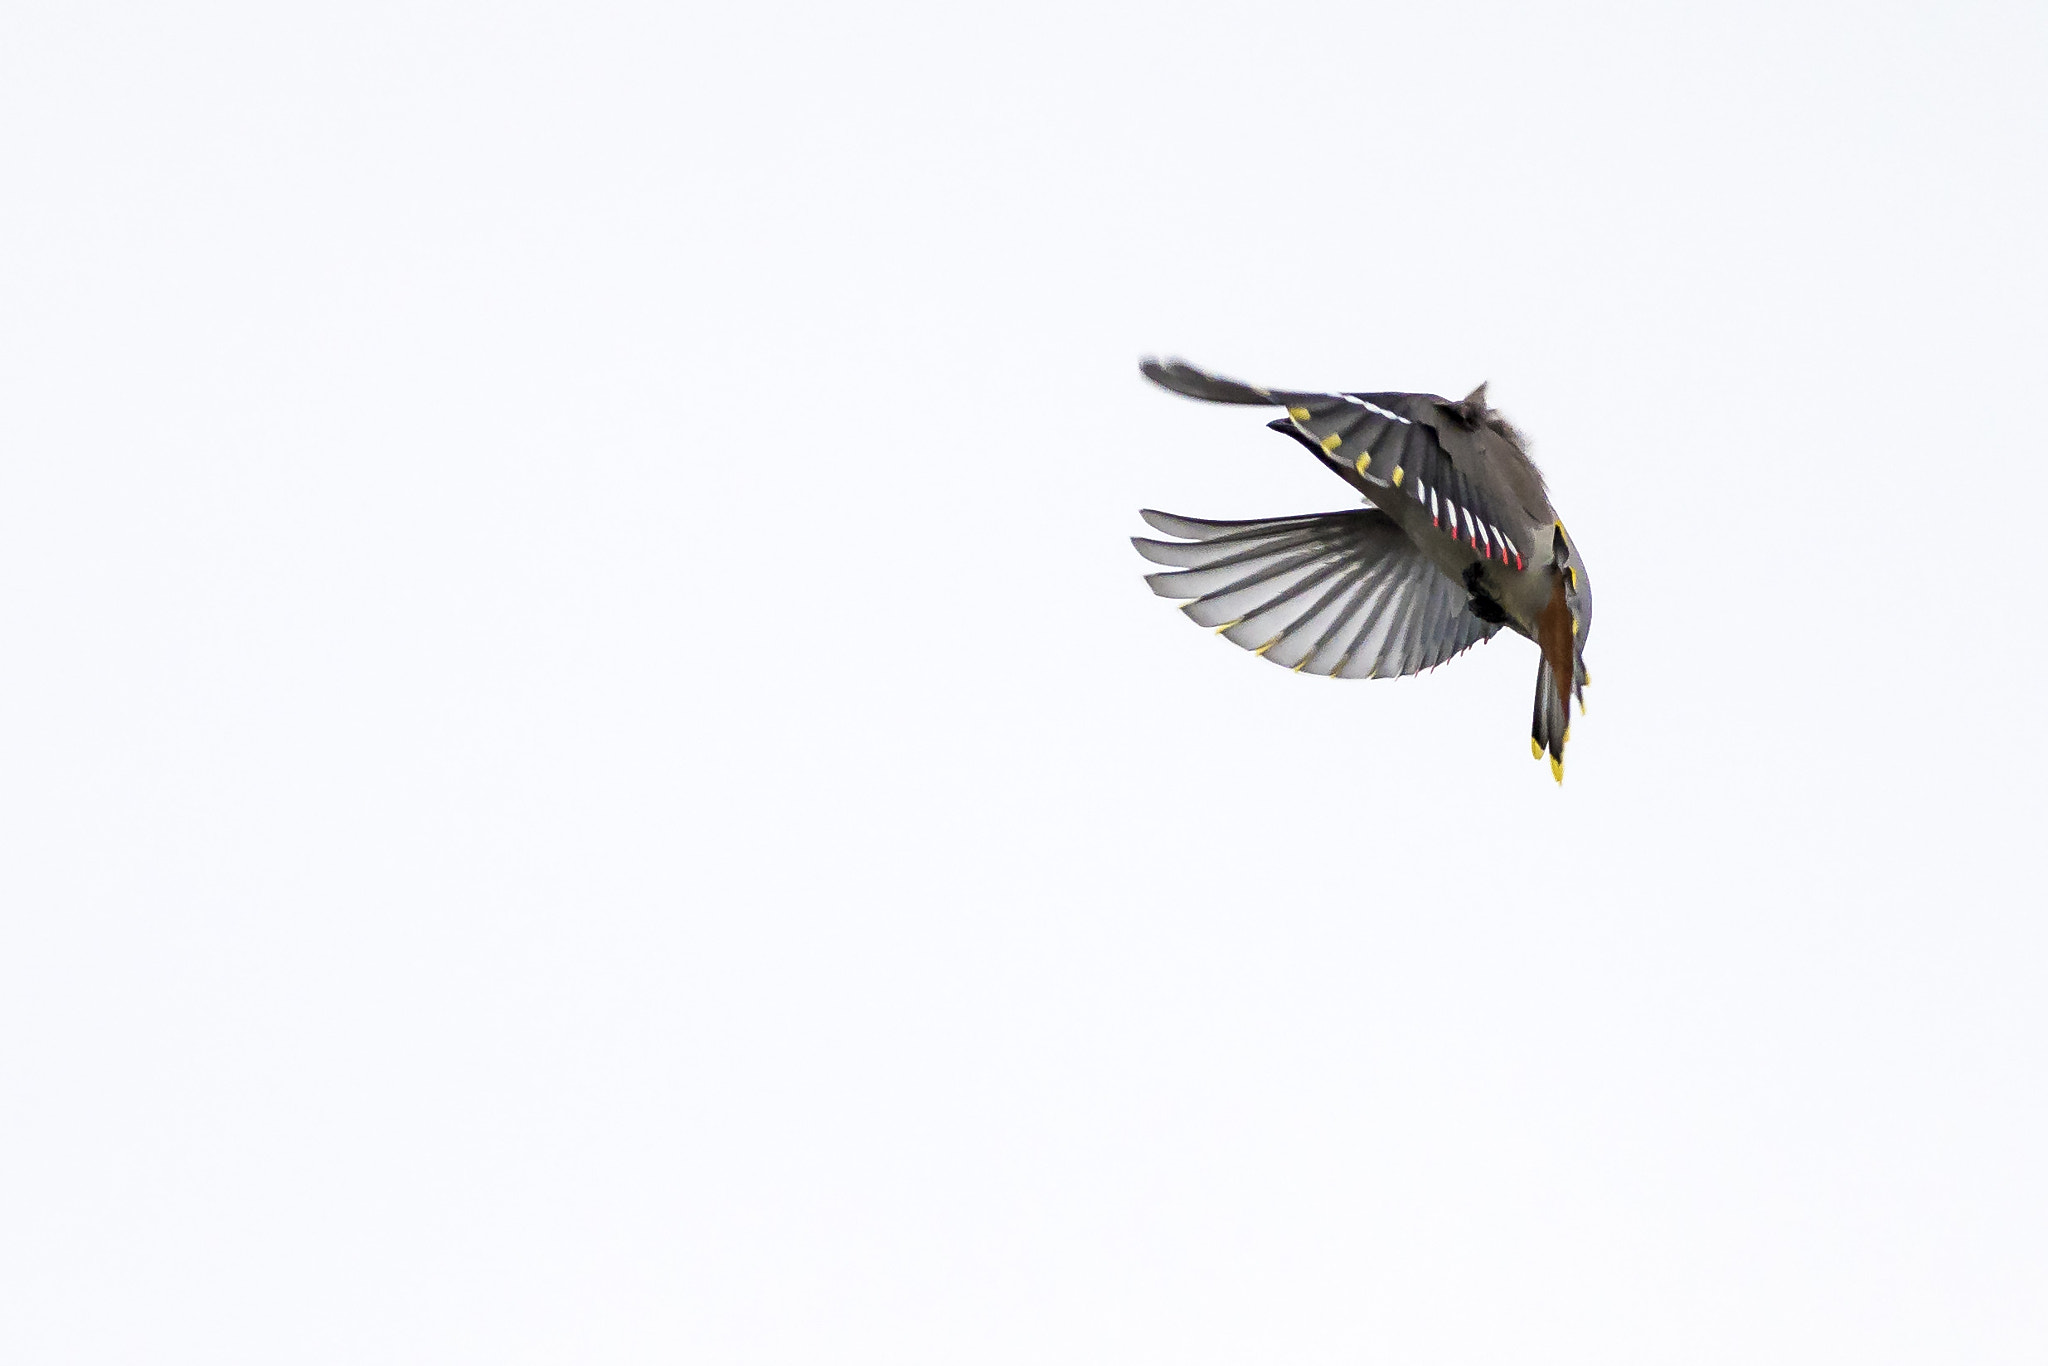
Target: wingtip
column 1163, row 585
column 1165, row 523
column 1192, row 381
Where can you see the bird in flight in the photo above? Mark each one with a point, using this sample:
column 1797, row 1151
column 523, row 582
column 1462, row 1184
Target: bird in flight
column 1460, row 540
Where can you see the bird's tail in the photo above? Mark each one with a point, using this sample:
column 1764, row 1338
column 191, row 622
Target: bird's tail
column 1552, row 725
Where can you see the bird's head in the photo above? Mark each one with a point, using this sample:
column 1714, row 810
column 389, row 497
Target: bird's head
column 1476, row 414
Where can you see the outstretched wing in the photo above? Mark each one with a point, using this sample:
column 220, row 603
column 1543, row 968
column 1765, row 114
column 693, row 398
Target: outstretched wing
column 1390, row 440
column 1343, row 594
column 1358, row 436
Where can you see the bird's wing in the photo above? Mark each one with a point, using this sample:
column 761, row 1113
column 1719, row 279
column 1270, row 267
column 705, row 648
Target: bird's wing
column 1360, row 439
column 1462, row 500
column 1389, row 440
column 1343, row 594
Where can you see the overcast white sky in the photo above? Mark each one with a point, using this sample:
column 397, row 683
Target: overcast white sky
column 588, row 774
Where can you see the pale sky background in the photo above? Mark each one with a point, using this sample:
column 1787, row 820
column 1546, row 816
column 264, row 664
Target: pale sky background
column 588, row 774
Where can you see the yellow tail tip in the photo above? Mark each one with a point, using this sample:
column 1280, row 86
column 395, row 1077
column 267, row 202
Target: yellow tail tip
column 1557, row 769
column 1535, row 748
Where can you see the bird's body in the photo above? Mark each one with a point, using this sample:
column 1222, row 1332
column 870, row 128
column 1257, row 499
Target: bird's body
column 1460, row 540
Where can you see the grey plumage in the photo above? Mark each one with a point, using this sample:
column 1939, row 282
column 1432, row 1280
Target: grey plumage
column 1460, row 540
column 1315, row 593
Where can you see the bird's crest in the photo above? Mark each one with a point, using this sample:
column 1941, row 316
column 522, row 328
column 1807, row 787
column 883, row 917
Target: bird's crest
column 1472, row 410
